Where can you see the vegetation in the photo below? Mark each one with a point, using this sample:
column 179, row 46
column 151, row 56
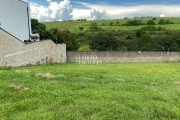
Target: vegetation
column 145, row 34
column 133, row 23
column 100, row 91
column 62, row 25
column 150, row 22
column 58, row 36
column 162, row 22
column 104, row 42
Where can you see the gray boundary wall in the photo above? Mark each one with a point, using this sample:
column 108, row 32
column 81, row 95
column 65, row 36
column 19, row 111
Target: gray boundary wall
column 99, row 57
column 15, row 53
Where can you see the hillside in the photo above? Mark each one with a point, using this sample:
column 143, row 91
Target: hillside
column 148, row 34
column 62, row 25
column 73, row 26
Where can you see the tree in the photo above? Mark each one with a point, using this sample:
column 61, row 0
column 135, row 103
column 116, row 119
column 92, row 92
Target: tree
column 34, row 25
column 53, row 33
column 152, row 28
column 139, row 33
column 81, row 28
column 117, row 22
column 154, row 18
column 162, row 21
column 94, row 26
column 111, row 24
column 145, row 42
column 150, row 22
column 133, row 23
column 38, row 28
column 129, row 37
column 66, row 37
column 104, row 42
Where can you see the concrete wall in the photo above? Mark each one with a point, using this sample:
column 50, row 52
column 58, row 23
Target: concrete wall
column 99, row 57
column 14, row 18
column 15, row 53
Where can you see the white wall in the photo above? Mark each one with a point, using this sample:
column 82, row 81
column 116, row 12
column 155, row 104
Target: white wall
column 14, row 18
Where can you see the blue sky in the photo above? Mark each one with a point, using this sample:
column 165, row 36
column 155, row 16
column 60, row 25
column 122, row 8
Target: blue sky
column 119, row 2
column 53, row 10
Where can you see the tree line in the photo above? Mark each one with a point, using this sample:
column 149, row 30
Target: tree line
column 56, row 35
column 139, row 40
column 149, row 22
column 148, row 38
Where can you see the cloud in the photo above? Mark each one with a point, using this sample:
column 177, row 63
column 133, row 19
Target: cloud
column 58, row 1
column 162, row 15
column 54, row 12
column 63, row 10
column 85, row 13
column 98, row 14
column 116, row 11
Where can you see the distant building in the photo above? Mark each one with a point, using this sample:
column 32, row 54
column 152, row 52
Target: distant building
column 15, row 19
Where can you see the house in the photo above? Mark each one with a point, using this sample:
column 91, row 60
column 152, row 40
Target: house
column 15, row 19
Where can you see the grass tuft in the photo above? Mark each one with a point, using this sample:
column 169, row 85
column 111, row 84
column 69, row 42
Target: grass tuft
column 19, row 88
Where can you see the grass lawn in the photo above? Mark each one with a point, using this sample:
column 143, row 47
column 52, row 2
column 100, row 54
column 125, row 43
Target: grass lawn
column 105, row 91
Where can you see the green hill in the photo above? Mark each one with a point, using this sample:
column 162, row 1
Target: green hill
column 149, row 34
column 62, row 25
column 116, row 24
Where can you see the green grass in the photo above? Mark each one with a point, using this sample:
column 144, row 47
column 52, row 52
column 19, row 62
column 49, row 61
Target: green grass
column 116, row 28
column 73, row 26
column 61, row 25
column 84, row 47
column 105, row 91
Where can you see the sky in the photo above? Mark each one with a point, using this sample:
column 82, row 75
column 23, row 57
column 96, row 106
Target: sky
column 59, row 10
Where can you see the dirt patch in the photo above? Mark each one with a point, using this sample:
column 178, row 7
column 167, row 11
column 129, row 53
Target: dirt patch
column 121, row 80
column 177, row 83
column 115, row 102
column 45, row 75
column 61, row 76
column 22, row 71
column 49, row 82
column 153, row 84
column 19, row 88
column 154, row 88
column 83, row 78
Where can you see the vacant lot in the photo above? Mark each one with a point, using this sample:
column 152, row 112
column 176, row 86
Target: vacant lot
column 100, row 91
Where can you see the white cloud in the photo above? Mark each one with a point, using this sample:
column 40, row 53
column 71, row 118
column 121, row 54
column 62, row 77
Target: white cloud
column 80, row 13
column 162, row 15
column 63, row 10
column 98, row 14
column 54, row 12
column 116, row 11
column 54, row 1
